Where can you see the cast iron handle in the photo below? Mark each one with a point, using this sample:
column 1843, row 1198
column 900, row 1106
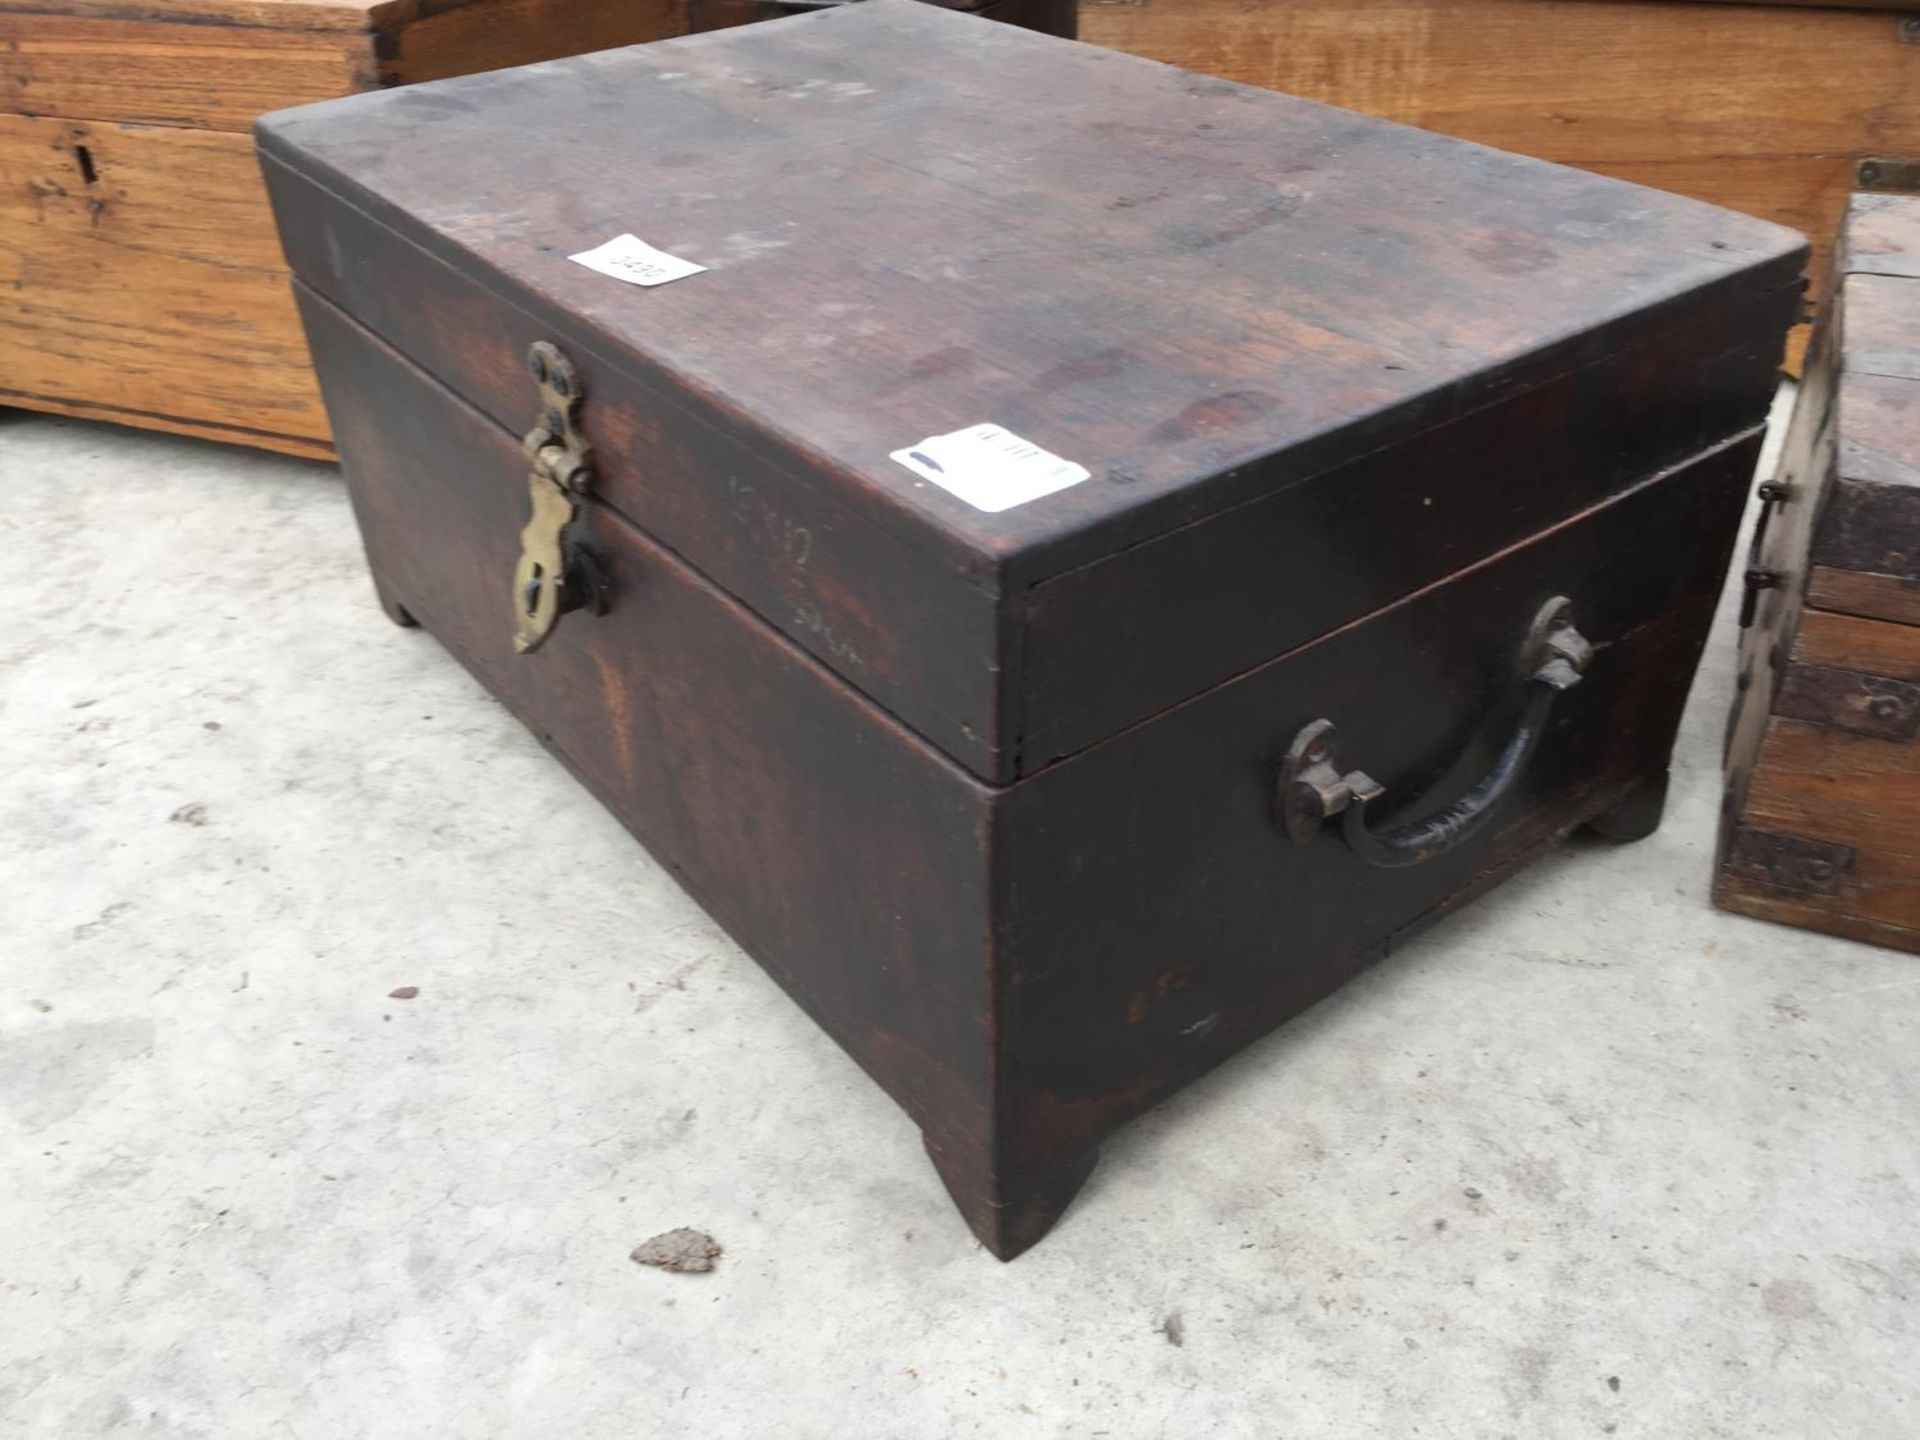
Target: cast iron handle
column 1759, row 575
column 1312, row 789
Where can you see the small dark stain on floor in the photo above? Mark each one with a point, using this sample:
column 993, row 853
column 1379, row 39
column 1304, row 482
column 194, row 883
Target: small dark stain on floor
column 193, row 814
column 1174, row 1328
column 405, row 992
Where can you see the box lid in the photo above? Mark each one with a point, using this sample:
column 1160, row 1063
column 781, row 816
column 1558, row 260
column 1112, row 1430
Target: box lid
column 913, row 223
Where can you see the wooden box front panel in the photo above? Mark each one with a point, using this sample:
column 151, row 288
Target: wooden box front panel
column 145, row 274
column 913, row 634
column 843, row 853
column 145, row 284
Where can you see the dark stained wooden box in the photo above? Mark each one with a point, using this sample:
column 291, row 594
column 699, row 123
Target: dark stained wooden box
column 1031, row 807
column 1822, row 822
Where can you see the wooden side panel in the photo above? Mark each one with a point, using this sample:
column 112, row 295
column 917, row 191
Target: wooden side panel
column 1833, row 4
column 1879, row 436
column 1309, row 559
column 847, row 857
column 1764, row 109
column 153, row 292
column 1163, row 919
column 1889, row 597
column 1866, row 551
column 1837, row 787
column 199, row 74
column 1849, row 642
column 1803, row 477
column 1785, row 908
column 347, row 15
column 1882, row 236
column 1881, row 331
column 492, row 34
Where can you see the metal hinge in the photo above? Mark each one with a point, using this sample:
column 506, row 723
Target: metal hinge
column 1789, row 862
column 556, row 573
column 1888, row 174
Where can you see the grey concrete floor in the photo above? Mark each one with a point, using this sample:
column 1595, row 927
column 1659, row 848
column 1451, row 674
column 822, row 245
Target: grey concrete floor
column 1590, row 1158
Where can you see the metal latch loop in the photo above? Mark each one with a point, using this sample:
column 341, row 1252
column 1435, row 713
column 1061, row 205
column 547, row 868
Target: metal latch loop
column 555, row 573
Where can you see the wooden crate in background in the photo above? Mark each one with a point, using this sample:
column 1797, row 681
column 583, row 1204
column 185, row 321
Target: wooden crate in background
column 1763, row 108
column 140, row 277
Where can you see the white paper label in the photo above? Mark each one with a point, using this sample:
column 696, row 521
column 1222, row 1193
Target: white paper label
column 629, row 258
column 990, row 467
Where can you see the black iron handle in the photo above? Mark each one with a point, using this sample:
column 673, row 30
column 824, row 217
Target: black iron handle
column 1313, row 790
column 1758, row 575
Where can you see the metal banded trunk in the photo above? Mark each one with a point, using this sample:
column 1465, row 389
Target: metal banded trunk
column 1063, row 605
column 1822, row 824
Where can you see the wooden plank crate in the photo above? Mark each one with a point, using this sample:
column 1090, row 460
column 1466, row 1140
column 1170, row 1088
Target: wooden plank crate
column 143, row 281
column 1822, row 820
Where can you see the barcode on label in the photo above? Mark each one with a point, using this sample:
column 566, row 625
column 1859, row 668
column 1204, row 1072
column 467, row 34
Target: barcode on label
column 990, row 467
column 629, row 258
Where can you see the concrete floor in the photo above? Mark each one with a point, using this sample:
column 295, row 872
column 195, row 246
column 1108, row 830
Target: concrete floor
column 1590, row 1158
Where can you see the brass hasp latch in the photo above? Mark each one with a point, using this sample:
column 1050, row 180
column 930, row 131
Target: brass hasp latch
column 556, row 572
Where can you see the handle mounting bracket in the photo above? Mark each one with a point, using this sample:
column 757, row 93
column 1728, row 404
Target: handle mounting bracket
column 1313, row 789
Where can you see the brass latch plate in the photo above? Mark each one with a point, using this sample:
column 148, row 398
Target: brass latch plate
column 555, row 573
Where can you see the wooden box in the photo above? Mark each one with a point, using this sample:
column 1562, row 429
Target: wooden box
column 1029, row 758
column 142, row 277
column 1822, row 824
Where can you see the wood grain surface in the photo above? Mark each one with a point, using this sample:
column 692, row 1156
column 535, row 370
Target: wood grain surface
column 200, row 75
column 1766, row 109
column 1852, row 642
column 1024, row 968
column 148, row 281
column 1349, row 430
column 152, row 293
